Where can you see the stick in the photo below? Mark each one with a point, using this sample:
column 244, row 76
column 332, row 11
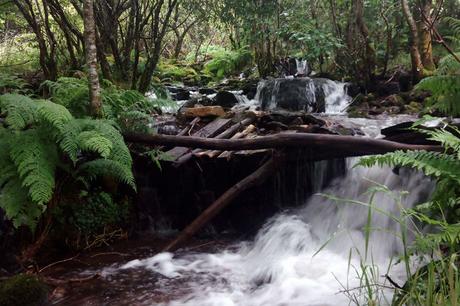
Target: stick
column 258, row 177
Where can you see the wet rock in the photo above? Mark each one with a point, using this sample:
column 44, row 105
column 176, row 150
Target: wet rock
column 250, row 90
column 225, row 99
column 391, row 88
column 302, row 94
column 204, row 101
column 178, row 93
column 205, row 111
column 393, row 100
column 207, row 91
column 353, row 90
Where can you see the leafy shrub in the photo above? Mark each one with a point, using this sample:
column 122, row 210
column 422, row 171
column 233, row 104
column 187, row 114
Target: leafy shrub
column 444, row 86
column 226, row 63
column 176, row 72
column 10, row 83
column 44, row 147
column 24, row 290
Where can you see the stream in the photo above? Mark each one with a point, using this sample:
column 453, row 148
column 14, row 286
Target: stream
column 310, row 255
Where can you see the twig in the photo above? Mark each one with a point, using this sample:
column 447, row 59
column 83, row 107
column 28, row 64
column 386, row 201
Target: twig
column 57, row 263
column 110, row 253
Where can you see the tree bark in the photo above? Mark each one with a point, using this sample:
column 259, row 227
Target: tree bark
column 258, row 177
column 426, row 42
column 324, row 146
column 91, row 58
column 414, row 42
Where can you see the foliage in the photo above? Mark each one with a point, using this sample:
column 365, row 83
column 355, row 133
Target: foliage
column 11, row 83
column 22, row 289
column 445, row 87
column 176, row 72
column 128, row 108
column 227, row 63
column 44, row 147
column 437, row 283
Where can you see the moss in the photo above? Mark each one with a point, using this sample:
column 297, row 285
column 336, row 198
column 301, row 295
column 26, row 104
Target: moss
column 23, row 290
column 176, row 72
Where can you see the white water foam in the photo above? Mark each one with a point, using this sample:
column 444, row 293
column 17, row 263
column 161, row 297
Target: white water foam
column 300, row 257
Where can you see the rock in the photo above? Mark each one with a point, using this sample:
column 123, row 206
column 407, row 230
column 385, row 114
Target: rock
column 375, row 111
column 414, row 108
column 204, row 101
column 352, row 89
column 393, row 100
column 225, row 99
column 386, row 89
column 23, row 290
column 178, row 93
column 250, row 90
column 205, row 111
column 207, row 91
column 301, row 94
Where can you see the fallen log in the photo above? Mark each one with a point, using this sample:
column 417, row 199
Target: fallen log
column 256, row 178
column 224, row 135
column 335, row 145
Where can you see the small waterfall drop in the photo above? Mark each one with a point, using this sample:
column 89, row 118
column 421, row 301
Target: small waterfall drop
column 303, row 94
column 300, row 257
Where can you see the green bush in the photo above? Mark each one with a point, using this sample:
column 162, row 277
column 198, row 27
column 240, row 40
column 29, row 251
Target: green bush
column 23, row 290
column 227, row 63
column 44, row 148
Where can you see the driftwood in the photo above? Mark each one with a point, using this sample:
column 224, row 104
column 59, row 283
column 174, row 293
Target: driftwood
column 210, row 130
column 256, row 178
column 326, row 146
column 224, row 135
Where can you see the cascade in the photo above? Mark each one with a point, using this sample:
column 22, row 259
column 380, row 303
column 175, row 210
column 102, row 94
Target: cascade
column 305, row 256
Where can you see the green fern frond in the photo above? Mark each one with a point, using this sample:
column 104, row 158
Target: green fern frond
column 19, row 209
column 454, row 24
column 431, row 163
column 446, row 138
column 105, row 167
column 53, row 114
column 446, row 92
column 20, row 110
column 120, row 151
column 92, row 141
column 35, row 161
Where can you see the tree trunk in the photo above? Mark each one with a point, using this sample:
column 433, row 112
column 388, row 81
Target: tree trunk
column 324, row 146
column 91, row 58
column 414, row 42
column 426, row 43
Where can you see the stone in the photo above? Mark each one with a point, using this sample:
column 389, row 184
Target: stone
column 301, row 94
column 207, row 91
column 393, row 100
column 205, row 111
column 385, row 89
column 225, row 99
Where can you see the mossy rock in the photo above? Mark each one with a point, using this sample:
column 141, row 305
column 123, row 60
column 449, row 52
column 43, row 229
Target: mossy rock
column 23, row 290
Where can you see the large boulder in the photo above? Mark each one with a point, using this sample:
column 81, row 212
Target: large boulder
column 225, row 99
column 301, row 94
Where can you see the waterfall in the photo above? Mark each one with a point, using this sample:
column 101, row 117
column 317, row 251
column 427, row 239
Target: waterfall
column 303, row 94
column 305, row 256
column 302, row 67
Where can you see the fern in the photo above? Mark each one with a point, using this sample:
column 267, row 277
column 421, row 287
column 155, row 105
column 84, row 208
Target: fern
column 431, row 163
column 35, row 160
column 41, row 137
column 20, row 111
column 104, row 167
column 446, row 92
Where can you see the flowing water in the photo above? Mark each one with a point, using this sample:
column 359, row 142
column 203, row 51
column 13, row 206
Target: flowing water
column 311, row 255
column 300, row 257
